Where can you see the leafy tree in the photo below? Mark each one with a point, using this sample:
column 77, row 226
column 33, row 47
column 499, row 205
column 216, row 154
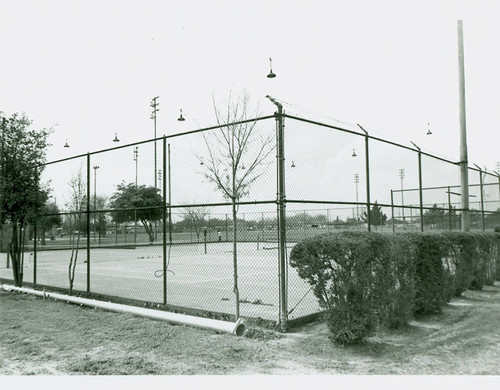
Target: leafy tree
column 98, row 220
column 141, row 202
column 435, row 216
column 22, row 196
column 233, row 145
column 49, row 219
column 377, row 217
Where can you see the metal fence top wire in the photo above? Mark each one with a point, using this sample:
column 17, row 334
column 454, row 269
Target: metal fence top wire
column 157, row 139
column 318, row 123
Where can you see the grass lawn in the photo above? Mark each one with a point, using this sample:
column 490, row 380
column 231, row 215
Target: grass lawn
column 47, row 337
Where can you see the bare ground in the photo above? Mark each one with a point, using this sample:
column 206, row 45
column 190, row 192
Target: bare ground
column 48, row 337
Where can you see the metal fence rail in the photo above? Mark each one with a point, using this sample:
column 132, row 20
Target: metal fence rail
column 321, row 178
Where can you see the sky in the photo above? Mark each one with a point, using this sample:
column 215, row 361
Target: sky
column 89, row 69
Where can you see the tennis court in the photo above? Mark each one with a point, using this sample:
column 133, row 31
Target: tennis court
column 195, row 279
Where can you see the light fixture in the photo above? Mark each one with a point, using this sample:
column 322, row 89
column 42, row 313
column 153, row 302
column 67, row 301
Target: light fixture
column 243, row 166
column 271, row 74
column 181, row 118
column 354, row 153
column 66, row 144
column 116, row 138
column 293, row 164
column 429, row 132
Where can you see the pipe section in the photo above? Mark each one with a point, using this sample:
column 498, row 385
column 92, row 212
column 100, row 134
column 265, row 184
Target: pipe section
column 237, row 328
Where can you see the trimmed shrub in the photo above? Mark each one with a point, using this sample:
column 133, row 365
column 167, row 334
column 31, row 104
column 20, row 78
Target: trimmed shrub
column 461, row 251
column 401, row 289
column 355, row 277
column 339, row 266
column 487, row 256
column 364, row 280
column 431, row 282
column 474, row 256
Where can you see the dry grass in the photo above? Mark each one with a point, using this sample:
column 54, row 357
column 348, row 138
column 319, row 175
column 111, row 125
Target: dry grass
column 47, row 337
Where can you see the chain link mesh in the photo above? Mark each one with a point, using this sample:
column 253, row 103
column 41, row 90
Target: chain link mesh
column 180, row 253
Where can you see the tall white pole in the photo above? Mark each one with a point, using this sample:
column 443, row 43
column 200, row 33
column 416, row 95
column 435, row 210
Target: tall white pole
column 464, row 170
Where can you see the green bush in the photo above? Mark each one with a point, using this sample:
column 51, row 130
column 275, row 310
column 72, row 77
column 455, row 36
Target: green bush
column 432, row 284
column 339, row 267
column 474, row 257
column 487, row 252
column 355, row 277
column 365, row 280
column 461, row 252
column 401, row 287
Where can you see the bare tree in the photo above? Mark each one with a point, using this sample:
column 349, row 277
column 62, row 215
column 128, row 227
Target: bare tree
column 196, row 217
column 77, row 205
column 236, row 143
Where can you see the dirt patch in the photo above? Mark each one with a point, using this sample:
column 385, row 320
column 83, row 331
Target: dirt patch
column 47, row 337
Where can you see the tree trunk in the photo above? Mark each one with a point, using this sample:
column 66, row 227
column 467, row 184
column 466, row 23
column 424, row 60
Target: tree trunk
column 74, row 257
column 235, row 262
column 43, row 241
column 15, row 254
column 149, row 230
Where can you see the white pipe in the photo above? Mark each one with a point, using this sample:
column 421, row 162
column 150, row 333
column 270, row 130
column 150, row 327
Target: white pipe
column 237, row 328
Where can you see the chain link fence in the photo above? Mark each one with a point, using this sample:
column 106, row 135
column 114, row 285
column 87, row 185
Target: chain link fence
column 174, row 247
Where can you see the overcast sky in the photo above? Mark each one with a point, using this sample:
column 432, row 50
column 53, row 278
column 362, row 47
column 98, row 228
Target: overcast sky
column 90, row 68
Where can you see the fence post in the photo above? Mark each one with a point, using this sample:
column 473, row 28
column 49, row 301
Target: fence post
column 367, row 163
column 34, row 237
column 420, row 192
column 169, row 196
column 164, row 233
column 88, row 223
column 481, row 196
column 34, row 253
column 281, row 215
column 449, row 208
column 392, row 210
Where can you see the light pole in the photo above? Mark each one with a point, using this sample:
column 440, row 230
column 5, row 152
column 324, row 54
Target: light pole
column 464, row 169
column 154, row 104
column 402, row 176
column 96, row 167
column 136, row 159
column 159, row 180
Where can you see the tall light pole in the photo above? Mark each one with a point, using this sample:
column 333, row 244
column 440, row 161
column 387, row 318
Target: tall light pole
column 154, row 104
column 96, row 167
column 464, row 169
column 159, row 180
column 402, row 176
column 356, row 181
column 136, row 159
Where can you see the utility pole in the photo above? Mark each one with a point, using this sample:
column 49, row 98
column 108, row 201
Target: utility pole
column 464, row 169
column 154, row 104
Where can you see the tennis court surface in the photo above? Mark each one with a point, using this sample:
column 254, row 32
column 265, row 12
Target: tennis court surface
column 195, row 279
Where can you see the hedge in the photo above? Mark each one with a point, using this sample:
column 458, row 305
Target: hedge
column 364, row 279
